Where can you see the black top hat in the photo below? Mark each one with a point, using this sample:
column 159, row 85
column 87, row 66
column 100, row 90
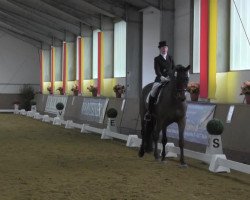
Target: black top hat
column 162, row 44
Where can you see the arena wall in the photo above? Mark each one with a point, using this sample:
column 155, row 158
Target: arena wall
column 235, row 137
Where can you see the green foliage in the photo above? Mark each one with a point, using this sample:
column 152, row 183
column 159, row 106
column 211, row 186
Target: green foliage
column 112, row 113
column 32, row 102
column 215, row 127
column 27, row 93
column 59, row 106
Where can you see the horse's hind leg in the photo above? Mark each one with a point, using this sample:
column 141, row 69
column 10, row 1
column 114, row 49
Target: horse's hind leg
column 164, row 141
column 142, row 148
column 156, row 138
column 181, row 126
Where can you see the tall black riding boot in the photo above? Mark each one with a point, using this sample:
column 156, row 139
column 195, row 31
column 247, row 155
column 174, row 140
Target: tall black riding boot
column 148, row 115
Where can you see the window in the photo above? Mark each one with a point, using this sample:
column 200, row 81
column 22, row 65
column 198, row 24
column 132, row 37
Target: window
column 196, row 36
column 95, row 54
column 120, row 32
column 239, row 44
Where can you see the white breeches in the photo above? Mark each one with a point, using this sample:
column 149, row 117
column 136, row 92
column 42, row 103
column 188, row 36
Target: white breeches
column 154, row 89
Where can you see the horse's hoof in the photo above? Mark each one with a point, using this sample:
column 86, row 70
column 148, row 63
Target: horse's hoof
column 141, row 154
column 164, row 161
column 183, row 165
column 157, row 157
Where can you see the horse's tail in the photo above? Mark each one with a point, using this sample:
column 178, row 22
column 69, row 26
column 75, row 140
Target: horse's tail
column 147, row 127
column 143, row 98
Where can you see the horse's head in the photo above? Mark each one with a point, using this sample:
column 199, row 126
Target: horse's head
column 181, row 76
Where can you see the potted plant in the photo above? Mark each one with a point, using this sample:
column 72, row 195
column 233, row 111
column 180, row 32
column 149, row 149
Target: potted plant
column 27, row 93
column 215, row 129
column 49, row 88
column 60, row 89
column 119, row 90
column 112, row 114
column 245, row 90
column 33, row 104
column 194, row 90
column 75, row 89
column 93, row 90
column 60, row 107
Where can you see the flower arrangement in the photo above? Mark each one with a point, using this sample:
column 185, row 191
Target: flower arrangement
column 245, row 88
column 75, row 88
column 60, row 89
column 32, row 102
column 193, row 88
column 49, row 88
column 120, row 89
column 92, row 88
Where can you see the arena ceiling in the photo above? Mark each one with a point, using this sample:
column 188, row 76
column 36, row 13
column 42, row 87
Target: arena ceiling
column 39, row 21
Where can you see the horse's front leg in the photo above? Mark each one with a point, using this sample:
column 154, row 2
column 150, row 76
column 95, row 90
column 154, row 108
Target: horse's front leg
column 164, row 141
column 181, row 127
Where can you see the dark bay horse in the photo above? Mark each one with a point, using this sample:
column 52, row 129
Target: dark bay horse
column 171, row 107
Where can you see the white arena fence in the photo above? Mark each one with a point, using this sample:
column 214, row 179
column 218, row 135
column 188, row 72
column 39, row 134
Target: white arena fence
column 217, row 162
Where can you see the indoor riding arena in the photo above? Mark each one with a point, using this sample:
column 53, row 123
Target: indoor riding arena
column 124, row 99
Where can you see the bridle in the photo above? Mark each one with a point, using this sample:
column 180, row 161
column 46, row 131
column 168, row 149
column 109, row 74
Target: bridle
column 181, row 85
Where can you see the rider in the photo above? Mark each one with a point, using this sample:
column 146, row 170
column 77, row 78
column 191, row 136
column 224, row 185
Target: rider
column 163, row 65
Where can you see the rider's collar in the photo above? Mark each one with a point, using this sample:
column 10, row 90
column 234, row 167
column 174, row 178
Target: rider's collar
column 164, row 56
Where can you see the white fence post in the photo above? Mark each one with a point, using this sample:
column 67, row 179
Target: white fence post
column 69, row 124
column 214, row 165
column 105, row 135
column 57, row 121
column 133, row 141
column 214, row 144
column 112, row 124
column 46, row 118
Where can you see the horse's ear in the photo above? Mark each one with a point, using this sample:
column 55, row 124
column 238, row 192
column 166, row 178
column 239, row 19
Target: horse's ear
column 188, row 67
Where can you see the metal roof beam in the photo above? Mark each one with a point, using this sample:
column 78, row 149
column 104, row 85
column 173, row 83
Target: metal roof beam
column 94, row 8
column 22, row 37
column 40, row 17
column 53, row 11
column 91, row 20
column 30, row 33
column 33, row 26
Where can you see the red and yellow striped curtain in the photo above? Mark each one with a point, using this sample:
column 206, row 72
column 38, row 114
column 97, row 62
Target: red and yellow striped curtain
column 41, row 71
column 80, row 41
column 65, row 67
column 52, row 79
column 100, row 62
column 208, row 48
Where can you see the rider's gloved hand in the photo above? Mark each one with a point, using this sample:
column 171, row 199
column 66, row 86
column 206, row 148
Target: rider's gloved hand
column 164, row 79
